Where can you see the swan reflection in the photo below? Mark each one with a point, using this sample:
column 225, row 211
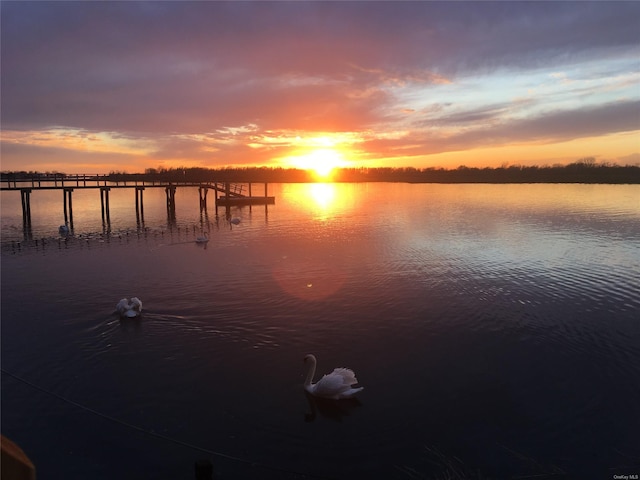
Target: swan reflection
column 334, row 410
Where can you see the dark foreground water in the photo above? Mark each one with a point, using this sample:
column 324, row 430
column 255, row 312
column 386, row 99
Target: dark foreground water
column 496, row 329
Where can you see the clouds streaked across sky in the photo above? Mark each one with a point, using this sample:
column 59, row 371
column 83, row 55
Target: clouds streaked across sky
column 94, row 87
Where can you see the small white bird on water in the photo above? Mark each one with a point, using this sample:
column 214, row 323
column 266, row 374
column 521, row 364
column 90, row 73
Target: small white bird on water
column 129, row 308
column 203, row 239
column 335, row 385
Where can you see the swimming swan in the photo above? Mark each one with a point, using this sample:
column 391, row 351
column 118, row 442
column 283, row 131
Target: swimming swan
column 203, row 239
column 335, row 385
column 128, row 308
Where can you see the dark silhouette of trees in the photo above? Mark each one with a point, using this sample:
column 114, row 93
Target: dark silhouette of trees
column 584, row 170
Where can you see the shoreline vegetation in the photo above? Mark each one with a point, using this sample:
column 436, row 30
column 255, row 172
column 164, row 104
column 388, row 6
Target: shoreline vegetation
column 585, row 170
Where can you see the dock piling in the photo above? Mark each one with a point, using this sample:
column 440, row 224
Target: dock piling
column 139, row 205
column 170, row 192
column 25, row 193
column 104, row 205
column 68, row 206
column 202, row 191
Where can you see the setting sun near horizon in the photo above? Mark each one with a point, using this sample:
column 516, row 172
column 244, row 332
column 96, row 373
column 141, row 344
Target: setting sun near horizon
column 322, row 162
column 320, row 154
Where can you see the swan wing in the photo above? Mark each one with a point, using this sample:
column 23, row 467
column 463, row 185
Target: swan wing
column 122, row 306
column 348, row 376
column 350, row 392
column 337, row 384
column 329, row 386
column 136, row 304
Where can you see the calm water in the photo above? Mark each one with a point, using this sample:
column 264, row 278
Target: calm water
column 494, row 328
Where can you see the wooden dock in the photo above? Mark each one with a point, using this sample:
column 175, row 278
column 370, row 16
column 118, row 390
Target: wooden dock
column 227, row 194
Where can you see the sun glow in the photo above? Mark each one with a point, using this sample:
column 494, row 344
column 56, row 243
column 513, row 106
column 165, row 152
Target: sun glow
column 321, row 154
column 321, row 161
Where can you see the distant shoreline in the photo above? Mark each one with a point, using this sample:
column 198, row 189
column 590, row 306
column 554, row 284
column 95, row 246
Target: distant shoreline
column 584, row 171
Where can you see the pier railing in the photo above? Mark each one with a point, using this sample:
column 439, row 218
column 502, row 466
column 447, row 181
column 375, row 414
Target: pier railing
column 13, row 181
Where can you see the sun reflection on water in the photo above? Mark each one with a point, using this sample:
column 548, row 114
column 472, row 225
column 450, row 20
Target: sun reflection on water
column 323, row 194
column 327, row 201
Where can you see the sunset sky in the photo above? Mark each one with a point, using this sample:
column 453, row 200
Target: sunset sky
column 124, row 86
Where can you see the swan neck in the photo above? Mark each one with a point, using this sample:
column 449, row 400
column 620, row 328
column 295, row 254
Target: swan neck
column 311, row 372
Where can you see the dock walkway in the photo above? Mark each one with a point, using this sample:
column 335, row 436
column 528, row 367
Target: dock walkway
column 61, row 181
column 226, row 193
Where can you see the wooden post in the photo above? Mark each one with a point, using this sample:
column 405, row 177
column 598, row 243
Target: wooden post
column 171, row 202
column 202, row 191
column 137, row 208
column 107, row 206
column 64, row 199
column 70, row 209
column 25, row 194
column 104, row 204
column 102, row 194
column 67, row 193
column 139, row 205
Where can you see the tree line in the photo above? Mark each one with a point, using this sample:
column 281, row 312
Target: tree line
column 585, row 170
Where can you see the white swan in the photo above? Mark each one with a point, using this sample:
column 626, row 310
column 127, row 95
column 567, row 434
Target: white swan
column 63, row 230
column 129, row 308
column 203, row 239
column 336, row 385
column 235, row 220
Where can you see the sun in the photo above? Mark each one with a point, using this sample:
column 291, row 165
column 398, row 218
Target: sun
column 320, row 154
column 322, row 162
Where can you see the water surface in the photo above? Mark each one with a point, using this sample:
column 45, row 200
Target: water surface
column 494, row 327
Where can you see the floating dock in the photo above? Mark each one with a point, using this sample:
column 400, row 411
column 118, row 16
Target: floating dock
column 235, row 200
